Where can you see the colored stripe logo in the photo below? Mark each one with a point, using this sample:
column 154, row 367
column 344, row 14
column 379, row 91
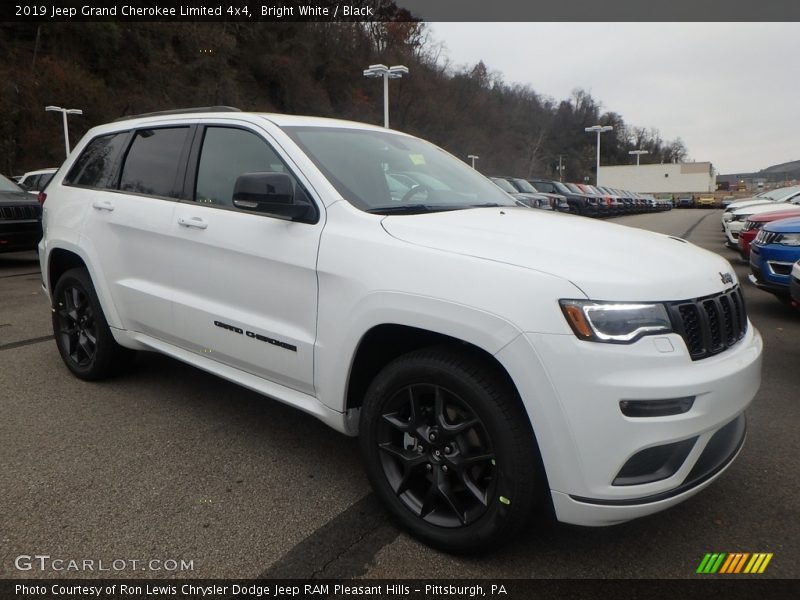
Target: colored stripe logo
column 734, row 562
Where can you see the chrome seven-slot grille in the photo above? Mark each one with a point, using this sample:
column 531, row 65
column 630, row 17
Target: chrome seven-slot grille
column 711, row 324
column 765, row 238
column 748, row 225
column 18, row 213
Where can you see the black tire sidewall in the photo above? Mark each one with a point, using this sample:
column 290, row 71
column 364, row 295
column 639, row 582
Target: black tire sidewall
column 104, row 349
column 516, row 475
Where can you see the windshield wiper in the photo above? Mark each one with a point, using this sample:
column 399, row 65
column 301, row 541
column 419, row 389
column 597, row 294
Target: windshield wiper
column 413, row 209
column 408, row 209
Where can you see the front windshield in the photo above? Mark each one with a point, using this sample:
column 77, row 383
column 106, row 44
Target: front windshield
column 382, row 171
column 504, row 185
column 780, row 194
column 6, row 185
column 524, row 186
column 562, row 188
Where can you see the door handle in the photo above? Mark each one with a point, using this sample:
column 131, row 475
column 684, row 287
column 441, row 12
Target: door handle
column 103, row 205
column 195, row 222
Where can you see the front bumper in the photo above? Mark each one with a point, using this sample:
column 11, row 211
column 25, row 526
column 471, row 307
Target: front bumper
column 20, row 235
column 586, row 440
column 771, row 266
column 732, row 229
column 794, row 284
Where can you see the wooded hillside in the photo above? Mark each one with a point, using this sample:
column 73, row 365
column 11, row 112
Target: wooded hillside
column 113, row 69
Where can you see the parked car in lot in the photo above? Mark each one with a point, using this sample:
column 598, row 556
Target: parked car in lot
column 754, row 224
column 443, row 328
column 765, row 198
column 558, row 201
column 597, row 203
column 36, row 181
column 733, row 226
column 772, row 256
column 684, row 201
column 533, row 200
column 520, row 186
column 20, row 218
column 579, row 203
column 794, row 284
column 706, row 201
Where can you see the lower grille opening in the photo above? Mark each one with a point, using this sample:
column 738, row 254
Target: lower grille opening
column 654, row 464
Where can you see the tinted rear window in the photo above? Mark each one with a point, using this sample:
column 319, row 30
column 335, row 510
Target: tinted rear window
column 95, row 165
column 151, row 166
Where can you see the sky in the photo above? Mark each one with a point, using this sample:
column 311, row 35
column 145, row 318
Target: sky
column 730, row 91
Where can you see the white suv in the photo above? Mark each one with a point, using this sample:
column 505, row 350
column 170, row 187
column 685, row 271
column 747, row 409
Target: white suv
column 489, row 356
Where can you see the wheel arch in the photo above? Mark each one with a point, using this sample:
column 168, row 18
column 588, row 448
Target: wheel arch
column 60, row 259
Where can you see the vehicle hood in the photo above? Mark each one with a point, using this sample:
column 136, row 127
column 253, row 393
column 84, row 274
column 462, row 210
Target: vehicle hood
column 744, row 203
column 774, row 216
column 606, row 261
column 15, row 198
column 765, row 208
column 784, row 226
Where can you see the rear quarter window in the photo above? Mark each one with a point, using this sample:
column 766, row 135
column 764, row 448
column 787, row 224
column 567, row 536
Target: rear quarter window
column 95, row 166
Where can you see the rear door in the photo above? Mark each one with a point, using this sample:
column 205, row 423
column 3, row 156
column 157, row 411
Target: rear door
column 245, row 283
column 128, row 224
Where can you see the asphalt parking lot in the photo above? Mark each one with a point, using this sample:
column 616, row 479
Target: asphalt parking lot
column 170, row 463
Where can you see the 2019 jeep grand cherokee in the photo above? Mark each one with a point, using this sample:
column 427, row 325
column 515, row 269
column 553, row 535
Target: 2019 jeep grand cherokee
column 484, row 368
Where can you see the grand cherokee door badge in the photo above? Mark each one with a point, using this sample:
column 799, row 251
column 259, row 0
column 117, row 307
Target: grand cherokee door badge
column 255, row 336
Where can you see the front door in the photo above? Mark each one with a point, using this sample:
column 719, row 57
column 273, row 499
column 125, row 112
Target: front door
column 245, row 284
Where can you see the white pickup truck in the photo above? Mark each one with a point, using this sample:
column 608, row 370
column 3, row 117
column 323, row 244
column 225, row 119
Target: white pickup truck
column 494, row 360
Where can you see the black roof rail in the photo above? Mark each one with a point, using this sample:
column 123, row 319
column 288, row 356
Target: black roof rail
column 180, row 111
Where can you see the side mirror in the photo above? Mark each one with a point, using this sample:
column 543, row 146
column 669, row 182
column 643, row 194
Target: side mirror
column 271, row 194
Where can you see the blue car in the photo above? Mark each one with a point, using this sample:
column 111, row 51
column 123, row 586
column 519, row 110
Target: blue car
column 772, row 255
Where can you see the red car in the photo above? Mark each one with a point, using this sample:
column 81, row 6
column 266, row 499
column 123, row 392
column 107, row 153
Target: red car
column 754, row 224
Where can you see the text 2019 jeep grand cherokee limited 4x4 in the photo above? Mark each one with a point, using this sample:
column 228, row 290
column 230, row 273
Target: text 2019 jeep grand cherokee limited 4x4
column 604, row 368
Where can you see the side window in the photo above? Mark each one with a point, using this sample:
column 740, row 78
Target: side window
column 94, row 167
column 151, row 165
column 227, row 153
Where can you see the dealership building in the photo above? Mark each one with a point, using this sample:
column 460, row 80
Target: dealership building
column 694, row 177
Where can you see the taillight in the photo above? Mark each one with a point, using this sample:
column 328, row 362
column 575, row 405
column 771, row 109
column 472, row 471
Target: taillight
column 41, row 197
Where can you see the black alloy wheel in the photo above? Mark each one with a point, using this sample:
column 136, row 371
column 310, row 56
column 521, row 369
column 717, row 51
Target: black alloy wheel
column 76, row 325
column 83, row 337
column 449, row 449
column 437, row 455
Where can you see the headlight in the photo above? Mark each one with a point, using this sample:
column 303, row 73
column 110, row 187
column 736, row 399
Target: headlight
column 790, row 239
column 615, row 322
column 739, row 217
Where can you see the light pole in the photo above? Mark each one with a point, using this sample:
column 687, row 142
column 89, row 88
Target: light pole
column 64, row 112
column 638, row 154
column 473, row 158
column 395, row 72
column 560, row 168
column 599, row 129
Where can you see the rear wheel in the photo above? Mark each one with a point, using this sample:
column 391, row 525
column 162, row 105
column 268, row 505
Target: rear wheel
column 82, row 334
column 449, row 450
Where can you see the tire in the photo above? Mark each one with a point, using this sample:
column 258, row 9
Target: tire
column 466, row 480
column 82, row 334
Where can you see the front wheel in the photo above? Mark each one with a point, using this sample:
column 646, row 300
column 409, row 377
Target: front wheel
column 449, row 450
column 82, row 334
